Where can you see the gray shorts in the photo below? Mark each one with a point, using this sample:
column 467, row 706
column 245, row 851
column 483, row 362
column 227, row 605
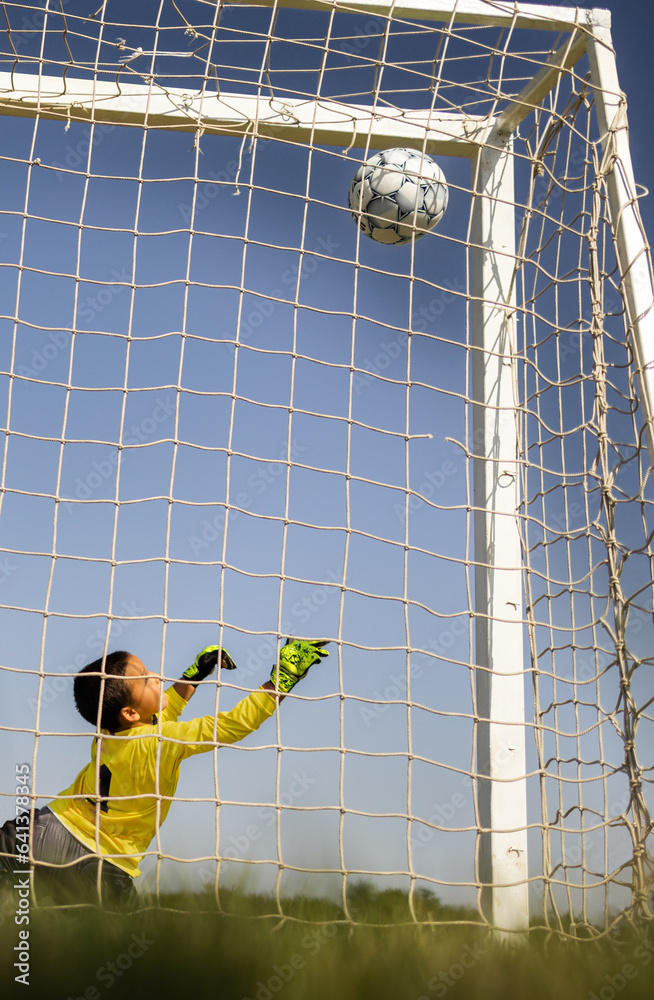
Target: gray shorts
column 54, row 847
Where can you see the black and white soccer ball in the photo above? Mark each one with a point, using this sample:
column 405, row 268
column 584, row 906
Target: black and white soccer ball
column 398, row 193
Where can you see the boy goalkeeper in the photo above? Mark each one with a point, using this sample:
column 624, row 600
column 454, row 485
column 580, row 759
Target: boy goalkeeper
column 93, row 835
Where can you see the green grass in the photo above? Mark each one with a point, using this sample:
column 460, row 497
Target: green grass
column 196, row 955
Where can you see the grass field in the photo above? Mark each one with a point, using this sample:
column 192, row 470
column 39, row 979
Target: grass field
column 188, row 953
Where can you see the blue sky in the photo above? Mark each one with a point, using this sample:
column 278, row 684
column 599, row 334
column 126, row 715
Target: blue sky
column 234, row 451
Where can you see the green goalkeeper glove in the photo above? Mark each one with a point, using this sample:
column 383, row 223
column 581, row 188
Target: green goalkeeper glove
column 205, row 662
column 295, row 658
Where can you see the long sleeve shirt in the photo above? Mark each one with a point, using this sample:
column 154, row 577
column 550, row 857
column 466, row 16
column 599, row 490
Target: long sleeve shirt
column 118, row 815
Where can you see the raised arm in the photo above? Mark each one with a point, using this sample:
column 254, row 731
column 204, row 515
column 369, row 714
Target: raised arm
column 295, row 658
column 201, row 735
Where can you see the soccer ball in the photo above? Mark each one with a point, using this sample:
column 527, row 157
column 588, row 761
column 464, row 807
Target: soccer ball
column 398, row 193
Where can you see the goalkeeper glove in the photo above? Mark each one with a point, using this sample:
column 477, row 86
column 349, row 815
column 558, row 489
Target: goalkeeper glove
column 205, row 662
column 295, row 658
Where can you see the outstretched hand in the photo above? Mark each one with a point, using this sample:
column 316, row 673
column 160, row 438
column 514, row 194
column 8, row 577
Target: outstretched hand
column 295, row 658
column 205, row 663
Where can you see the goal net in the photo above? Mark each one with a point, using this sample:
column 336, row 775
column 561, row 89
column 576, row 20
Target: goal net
column 231, row 417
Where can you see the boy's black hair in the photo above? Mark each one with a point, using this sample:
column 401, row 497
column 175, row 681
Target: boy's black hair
column 116, row 691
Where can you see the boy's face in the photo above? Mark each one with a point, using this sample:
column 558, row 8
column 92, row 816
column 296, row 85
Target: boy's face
column 146, row 697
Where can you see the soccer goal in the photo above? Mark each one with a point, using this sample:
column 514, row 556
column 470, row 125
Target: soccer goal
column 230, row 416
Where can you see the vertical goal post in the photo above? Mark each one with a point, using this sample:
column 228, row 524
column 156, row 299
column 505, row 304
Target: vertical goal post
column 496, row 253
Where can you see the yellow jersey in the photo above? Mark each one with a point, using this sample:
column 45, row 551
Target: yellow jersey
column 117, row 815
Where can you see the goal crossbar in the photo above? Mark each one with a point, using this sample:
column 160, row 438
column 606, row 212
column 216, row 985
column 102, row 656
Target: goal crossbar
column 542, row 17
column 323, row 122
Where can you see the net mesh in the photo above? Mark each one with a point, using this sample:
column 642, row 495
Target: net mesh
column 230, row 418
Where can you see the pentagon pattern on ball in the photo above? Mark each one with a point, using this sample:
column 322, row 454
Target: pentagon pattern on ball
column 397, row 193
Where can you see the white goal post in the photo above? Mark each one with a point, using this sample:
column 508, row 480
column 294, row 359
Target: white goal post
column 503, row 573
